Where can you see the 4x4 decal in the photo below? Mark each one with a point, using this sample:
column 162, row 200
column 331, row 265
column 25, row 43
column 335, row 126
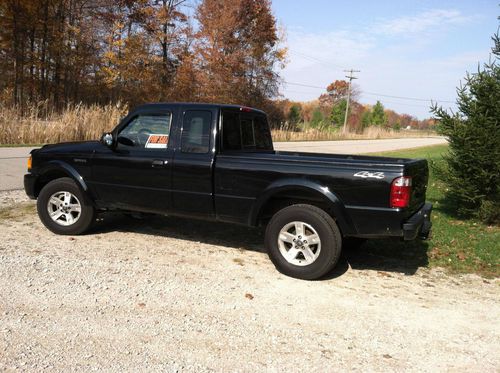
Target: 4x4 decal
column 368, row 174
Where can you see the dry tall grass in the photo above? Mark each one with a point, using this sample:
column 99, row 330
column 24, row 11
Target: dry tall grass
column 314, row 134
column 41, row 126
column 79, row 122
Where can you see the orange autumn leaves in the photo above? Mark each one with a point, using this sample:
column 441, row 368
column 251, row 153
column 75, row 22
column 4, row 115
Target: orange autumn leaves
column 134, row 51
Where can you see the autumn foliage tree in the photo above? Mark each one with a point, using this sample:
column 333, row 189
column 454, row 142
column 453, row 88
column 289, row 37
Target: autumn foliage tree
column 143, row 48
column 337, row 91
column 48, row 49
column 101, row 51
column 237, row 50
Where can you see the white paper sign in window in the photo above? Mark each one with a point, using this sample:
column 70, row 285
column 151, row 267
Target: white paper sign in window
column 157, row 141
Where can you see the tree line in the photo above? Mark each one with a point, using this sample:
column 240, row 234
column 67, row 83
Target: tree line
column 134, row 51
column 328, row 112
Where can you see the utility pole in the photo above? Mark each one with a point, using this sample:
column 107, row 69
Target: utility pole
column 350, row 77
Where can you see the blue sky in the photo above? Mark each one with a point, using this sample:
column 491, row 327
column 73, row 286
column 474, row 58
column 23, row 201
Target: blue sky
column 418, row 49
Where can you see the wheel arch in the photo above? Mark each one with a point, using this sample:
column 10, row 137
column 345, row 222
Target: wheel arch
column 280, row 193
column 58, row 169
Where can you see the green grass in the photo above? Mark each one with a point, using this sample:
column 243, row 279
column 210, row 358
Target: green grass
column 460, row 245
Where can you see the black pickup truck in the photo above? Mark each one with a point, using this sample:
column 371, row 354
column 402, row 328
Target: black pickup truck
column 217, row 162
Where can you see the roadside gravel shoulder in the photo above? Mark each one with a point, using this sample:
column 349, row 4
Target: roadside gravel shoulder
column 12, row 197
column 175, row 295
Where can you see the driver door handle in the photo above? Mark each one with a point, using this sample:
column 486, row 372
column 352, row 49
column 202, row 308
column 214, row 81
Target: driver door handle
column 157, row 163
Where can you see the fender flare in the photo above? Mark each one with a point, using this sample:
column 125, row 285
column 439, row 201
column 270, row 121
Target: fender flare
column 70, row 171
column 334, row 203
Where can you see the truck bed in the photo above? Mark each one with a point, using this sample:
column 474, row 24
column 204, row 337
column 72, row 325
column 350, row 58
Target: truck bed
column 242, row 177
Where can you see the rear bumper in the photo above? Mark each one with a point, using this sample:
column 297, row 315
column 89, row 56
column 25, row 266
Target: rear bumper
column 419, row 224
column 29, row 185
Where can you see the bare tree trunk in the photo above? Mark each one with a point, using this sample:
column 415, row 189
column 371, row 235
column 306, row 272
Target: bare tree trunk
column 60, row 17
column 32, row 63
column 16, row 52
column 44, row 42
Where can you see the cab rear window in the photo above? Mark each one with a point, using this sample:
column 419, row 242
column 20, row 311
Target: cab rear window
column 245, row 131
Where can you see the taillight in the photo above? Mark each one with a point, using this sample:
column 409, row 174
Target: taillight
column 29, row 163
column 401, row 192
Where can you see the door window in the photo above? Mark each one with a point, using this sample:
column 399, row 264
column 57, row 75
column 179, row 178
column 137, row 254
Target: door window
column 231, row 131
column 196, row 131
column 146, row 132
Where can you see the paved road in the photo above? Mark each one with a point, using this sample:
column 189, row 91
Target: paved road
column 13, row 160
column 358, row 146
column 12, row 167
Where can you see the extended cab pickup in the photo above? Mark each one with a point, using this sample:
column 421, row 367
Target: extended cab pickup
column 217, row 162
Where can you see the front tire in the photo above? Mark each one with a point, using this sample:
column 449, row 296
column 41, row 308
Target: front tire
column 303, row 241
column 64, row 209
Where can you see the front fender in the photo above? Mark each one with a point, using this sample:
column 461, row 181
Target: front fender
column 69, row 170
column 334, row 204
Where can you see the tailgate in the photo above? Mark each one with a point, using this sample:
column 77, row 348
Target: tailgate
column 419, row 172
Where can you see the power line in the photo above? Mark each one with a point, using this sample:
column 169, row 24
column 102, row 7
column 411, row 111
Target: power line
column 384, row 101
column 376, row 94
column 329, row 64
column 304, row 85
column 407, row 98
column 403, row 103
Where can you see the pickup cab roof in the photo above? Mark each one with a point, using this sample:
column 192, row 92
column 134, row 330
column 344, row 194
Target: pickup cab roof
column 186, row 105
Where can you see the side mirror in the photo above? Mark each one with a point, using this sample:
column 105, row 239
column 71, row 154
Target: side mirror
column 107, row 139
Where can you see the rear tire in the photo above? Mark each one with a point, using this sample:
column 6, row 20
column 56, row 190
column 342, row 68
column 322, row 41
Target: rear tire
column 64, row 209
column 303, row 241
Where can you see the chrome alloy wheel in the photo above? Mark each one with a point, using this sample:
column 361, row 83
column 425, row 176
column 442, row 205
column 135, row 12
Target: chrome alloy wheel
column 299, row 243
column 64, row 208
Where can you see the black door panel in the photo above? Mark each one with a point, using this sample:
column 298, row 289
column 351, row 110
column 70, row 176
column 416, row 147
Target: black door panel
column 192, row 185
column 137, row 176
column 192, row 189
column 130, row 180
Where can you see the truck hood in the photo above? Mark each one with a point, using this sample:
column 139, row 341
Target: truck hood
column 76, row 147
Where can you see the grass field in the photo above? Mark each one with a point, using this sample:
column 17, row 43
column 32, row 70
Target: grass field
column 460, row 245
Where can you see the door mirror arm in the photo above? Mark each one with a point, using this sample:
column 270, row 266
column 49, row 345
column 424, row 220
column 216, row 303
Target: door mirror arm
column 125, row 141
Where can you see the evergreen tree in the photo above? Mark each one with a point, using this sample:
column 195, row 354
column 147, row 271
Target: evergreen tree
column 378, row 116
column 295, row 114
column 366, row 119
column 473, row 172
column 338, row 113
column 317, row 118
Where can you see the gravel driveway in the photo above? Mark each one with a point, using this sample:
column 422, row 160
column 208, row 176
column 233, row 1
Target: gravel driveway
column 177, row 295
